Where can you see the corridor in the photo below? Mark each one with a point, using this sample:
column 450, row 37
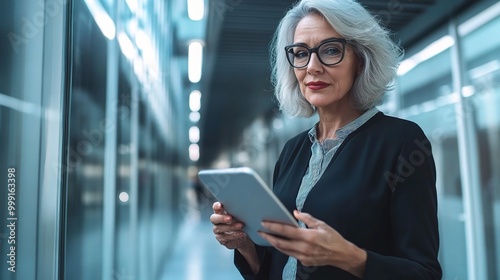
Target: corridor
column 197, row 255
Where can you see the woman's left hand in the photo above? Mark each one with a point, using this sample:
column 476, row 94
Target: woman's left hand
column 317, row 245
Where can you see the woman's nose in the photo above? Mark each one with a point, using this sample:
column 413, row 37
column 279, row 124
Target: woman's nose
column 314, row 65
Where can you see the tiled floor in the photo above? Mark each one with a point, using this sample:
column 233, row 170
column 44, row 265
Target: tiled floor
column 197, row 255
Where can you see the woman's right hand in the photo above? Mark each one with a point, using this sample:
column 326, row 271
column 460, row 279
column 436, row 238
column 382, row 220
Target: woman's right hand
column 228, row 231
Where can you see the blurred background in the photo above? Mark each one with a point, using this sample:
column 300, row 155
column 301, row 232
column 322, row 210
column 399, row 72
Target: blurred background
column 108, row 108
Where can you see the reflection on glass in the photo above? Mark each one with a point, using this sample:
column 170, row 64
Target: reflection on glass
column 428, row 100
column 146, row 202
column 482, row 60
column 84, row 217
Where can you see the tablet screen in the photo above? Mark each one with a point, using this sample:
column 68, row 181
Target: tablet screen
column 246, row 197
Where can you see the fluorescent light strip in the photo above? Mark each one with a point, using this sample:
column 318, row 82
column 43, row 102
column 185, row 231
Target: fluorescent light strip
column 127, row 47
column 406, row 65
column 195, row 101
column 196, row 9
column 132, row 5
column 101, row 17
column 194, row 152
column 19, row 105
column 427, row 53
column 194, row 134
column 142, row 40
column 442, row 44
column 479, row 20
column 195, row 60
column 485, row 69
column 435, row 48
column 194, row 116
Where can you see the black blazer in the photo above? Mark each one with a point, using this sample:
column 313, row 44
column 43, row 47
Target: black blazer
column 378, row 192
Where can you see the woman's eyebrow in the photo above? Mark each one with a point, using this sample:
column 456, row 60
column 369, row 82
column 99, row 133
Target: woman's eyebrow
column 300, row 44
column 332, row 38
column 321, row 42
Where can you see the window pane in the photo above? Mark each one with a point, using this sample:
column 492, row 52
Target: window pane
column 427, row 100
column 481, row 50
column 84, row 217
column 30, row 138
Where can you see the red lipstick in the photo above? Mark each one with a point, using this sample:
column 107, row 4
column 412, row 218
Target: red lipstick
column 317, row 85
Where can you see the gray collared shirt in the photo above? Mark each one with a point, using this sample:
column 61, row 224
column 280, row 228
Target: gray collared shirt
column 321, row 155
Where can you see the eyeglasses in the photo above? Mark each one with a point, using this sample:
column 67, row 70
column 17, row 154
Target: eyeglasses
column 329, row 53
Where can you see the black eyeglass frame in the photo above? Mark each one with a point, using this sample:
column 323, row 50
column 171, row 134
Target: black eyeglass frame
column 343, row 41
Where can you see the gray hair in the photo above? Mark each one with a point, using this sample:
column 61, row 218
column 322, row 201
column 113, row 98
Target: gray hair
column 372, row 43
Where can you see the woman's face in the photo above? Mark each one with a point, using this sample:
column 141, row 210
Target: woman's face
column 324, row 86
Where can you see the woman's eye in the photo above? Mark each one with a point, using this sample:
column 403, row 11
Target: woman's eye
column 331, row 51
column 301, row 54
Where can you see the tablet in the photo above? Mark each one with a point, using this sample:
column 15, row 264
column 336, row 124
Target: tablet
column 246, row 197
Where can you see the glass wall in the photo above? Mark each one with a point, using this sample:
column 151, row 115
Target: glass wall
column 127, row 152
column 429, row 101
column 87, row 136
column 32, row 72
column 481, row 55
column 93, row 150
column 456, row 104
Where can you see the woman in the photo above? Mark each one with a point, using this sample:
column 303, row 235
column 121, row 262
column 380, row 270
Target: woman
column 361, row 184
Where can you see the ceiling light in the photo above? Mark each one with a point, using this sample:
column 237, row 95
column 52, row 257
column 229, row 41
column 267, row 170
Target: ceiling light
column 479, row 20
column 132, row 5
column 468, row 91
column 435, row 48
column 195, row 61
column 196, row 9
column 194, row 116
column 194, row 134
column 127, row 47
column 405, row 66
column 123, row 196
column 194, row 152
column 142, row 41
column 101, row 17
column 427, row 53
column 485, row 69
column 195, row 101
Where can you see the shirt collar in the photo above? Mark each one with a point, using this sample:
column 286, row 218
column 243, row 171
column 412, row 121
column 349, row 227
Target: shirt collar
column 344, row 131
